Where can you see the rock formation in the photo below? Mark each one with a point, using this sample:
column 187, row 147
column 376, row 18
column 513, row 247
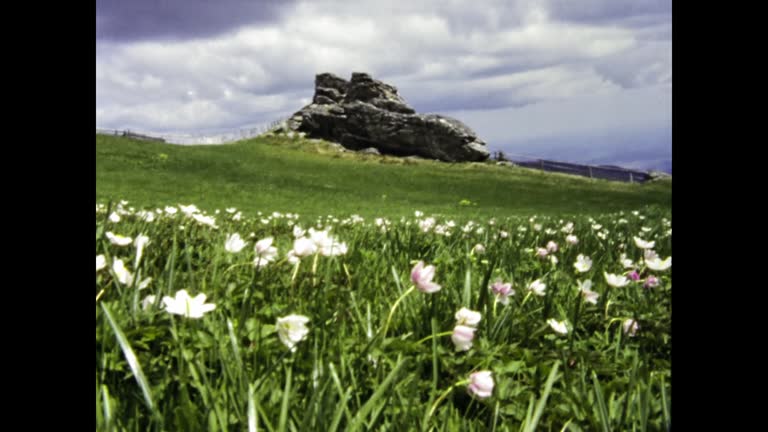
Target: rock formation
column 366, row 113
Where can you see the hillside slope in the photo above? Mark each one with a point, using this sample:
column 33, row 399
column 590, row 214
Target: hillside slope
column 310, row 178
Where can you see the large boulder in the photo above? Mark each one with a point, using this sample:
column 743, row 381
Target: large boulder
column 366, row 113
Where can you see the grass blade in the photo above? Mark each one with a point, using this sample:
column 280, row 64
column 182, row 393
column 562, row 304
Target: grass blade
column 543, row 401
column 603, row 412
column 286, row 397
column 253, row 424
column 131, row 358
column 377, row 395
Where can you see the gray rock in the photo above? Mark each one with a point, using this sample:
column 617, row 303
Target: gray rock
column 366, row 113
column 370, row 150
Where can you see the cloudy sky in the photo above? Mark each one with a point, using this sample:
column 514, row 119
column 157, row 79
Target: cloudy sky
column 579, row 80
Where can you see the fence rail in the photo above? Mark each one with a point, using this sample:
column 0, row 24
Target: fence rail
column 604, row 172
column 196, row 139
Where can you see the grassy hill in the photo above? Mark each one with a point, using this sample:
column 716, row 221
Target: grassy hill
column 311, row 178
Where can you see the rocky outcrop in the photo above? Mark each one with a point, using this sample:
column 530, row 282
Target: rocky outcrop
column 366, row 113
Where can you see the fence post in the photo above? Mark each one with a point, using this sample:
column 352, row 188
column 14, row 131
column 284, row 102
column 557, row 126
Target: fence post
column 541, row 163
column 631, row 178
column 590, row 171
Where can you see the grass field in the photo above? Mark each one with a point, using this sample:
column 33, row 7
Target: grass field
column 313, row 322
column 278, row 174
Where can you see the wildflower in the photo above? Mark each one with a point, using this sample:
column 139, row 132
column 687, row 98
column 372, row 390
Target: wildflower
column 642, row 244
column 234, row 243
column 298, row 232
column 265, row 252
column 634, row 275
column 568, row 228
column 615, row 280
column 558, row 326
column 205, row 220
column 571, row 239
column 478, row 249
column 553, row 259
column 462, row 337
column 551, row 247
column 541, row 252
column 171, row 210
column 292, row 329
column 630, row 327
column 189, row 210
column 145, row 283
column 422, row 278
column 101, row 262
column 230, row 210
column 480, row 384
column 582, row 264
column 303, row 247
column 586, row 291
column 537, row 287
column 190, row 307
column 503, row 234
column 148, row 301
column 114, row 217
column 502, row 291
column 468, row 317
column 627, row 263
column 117, row 239
column 658, row 264
column 139, row 243
column 123, row 275
column 537, row 227
column 650, row 282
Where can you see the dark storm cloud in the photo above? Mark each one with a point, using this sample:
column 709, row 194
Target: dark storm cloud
column 134, row 20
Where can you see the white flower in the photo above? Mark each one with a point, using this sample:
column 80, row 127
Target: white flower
column 645, row 229
column 123, row 275
column 265, row 252
column 114, row 217
column 553, row 259
column 462, row 337
column 558, row 326
column 568, row 228
column 205, row 220
column 582, row 264
column 503, row 234
column 303, row 247
column 627, row 263
column 139, row 243
column 148, row 301
column 418, row 214
column 234, row 243
column 190, row 307
column 237, row 216
column 171, row 210
column 630, row 327
column 537, row 227
column 292, row 329
column 586, row 291
column 230, row 210
column 101, row 262
column 615, row 280
column 189, row 210
column 145, row 283
column 480, row 384
column 478, row 249
column 146, row 215
column 571, row 239
column 551, row 247
column 597, row 227
column 658, row 264
column 117, row 239
column 537, row 287
column 650, row 255
column 298, row 232
column 468, row 317
column 642, row 244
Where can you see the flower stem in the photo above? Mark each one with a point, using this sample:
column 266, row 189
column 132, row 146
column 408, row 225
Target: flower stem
column 448, row 333
column 392, row 311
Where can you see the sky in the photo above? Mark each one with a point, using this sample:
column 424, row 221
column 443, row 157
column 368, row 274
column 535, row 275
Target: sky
column 575, row 80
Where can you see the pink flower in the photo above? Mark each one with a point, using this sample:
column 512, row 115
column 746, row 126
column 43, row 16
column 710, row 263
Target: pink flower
column 651, row 281
column 481, row 384
column 462, row 337
column 422, row 278
column 502, row 291
column 634, row 275
column 541, row 253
